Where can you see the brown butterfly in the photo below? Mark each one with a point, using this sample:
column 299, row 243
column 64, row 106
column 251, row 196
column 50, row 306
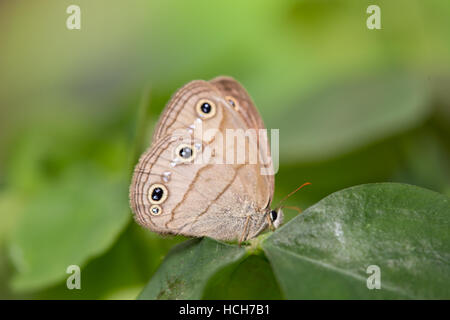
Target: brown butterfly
column 185, row 184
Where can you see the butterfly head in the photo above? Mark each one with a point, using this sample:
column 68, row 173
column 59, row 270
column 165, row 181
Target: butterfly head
column 275, row 217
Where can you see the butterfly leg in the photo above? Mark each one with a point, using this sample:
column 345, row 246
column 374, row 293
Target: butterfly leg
column 270, row 223
column 244, row 232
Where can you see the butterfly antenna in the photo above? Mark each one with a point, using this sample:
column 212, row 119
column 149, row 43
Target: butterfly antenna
column 293, row 208
column 290, row 194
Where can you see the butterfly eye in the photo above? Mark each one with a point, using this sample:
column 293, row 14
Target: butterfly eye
column 206, row 108
column 232, row 101
column 185, row 152
column 155, row 210
column 157, row 193
column 273, row 215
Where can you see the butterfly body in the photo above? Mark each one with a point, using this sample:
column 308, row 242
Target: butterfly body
column 193, row 181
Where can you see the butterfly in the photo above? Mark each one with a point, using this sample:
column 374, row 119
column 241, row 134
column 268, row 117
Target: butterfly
column 185, row 182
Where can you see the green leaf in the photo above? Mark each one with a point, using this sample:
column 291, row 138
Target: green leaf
column 426, row 161
column 373, row 163
column 119, row 273
column 68, row 222
column 324, row 253
column 117, row 268
column 340, row 118
column 251, row 279
column 186, row 270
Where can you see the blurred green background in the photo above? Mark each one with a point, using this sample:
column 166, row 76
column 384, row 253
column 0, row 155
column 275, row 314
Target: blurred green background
column 353, row 106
